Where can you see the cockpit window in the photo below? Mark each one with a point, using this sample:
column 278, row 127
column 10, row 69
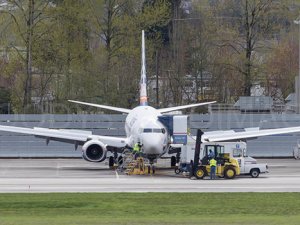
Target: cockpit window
column 154, row 130
column 147, row 130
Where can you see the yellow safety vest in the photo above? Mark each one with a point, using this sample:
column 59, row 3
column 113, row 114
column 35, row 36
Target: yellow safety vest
column 212, row 162
column 136, row 147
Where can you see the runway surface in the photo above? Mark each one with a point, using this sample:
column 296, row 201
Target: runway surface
column 76, row 175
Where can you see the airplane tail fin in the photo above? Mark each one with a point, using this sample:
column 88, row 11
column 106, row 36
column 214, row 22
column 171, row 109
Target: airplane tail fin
column 143, row 82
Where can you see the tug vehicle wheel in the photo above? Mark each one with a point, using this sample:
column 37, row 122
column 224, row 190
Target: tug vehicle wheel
column 229, row 172
column 200, row 173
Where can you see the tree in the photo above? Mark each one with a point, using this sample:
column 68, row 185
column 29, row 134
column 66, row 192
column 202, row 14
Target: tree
column 282, row 67
column 254, row 21
column 71, row 44
column 25, row 18
column 90, row 50
column 201, row 43
column 105, row 17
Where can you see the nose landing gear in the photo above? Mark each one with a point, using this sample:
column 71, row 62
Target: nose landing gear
column 151, row 167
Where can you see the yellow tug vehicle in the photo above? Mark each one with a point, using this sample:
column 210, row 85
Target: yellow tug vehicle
column 226, row 167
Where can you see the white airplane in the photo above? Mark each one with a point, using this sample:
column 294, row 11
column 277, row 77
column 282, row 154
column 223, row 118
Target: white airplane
column 142, row 124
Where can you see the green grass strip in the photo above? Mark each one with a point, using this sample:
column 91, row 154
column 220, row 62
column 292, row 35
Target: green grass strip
column 150, row 208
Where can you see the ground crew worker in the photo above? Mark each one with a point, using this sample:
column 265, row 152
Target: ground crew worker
column 137, row 149
column 213, row 165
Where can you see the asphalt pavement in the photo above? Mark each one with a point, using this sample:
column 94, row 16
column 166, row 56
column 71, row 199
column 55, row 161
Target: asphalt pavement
column 76, row 175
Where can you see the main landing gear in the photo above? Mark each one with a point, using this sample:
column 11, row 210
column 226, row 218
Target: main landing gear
column 115, row 160
column 111, row 161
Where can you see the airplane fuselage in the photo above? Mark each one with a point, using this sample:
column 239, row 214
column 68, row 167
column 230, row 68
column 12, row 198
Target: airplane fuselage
column 142, row 125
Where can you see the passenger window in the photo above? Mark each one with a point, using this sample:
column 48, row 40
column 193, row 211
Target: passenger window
column 163, row 130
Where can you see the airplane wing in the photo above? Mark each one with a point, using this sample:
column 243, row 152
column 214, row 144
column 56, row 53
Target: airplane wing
column 76, row 137
column 122, row 110
column 170, row 109
column 248, row 133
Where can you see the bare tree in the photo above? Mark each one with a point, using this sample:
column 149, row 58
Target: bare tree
column 253, row 23
column 25, row 17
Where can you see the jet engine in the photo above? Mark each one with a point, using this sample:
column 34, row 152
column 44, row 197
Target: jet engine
column 94, row 151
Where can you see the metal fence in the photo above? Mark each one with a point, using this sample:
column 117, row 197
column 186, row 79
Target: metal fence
column 20, row 145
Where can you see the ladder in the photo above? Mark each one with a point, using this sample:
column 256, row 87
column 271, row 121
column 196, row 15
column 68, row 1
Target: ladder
column 128, row 157
column 132, row 166
column 136, row 166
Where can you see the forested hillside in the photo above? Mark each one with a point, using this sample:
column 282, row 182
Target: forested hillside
column 196, row 50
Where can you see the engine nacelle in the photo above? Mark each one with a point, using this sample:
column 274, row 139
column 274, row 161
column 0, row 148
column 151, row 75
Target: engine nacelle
column 94, row 151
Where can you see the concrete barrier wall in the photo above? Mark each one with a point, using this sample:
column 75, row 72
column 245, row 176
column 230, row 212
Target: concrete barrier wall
column 19, row 145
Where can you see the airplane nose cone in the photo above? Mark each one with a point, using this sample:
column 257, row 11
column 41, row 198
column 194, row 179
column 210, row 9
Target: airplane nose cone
column 153, row 144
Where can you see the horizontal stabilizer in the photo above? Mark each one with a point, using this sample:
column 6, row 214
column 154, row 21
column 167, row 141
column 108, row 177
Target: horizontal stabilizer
column 122, row 110
column 165, row 110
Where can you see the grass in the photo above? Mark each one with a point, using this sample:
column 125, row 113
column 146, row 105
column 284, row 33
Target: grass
column 150, row 208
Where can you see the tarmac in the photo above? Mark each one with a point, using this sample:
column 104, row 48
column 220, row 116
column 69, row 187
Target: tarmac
column 77, row 175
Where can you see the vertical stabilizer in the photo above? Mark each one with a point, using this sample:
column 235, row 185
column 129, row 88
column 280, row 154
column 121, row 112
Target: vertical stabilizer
column 143, row 83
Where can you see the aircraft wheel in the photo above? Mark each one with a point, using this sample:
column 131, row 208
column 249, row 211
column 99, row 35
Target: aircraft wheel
column 173, row 161
column 254, row 173
column 229, row 172
column 111, row 161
